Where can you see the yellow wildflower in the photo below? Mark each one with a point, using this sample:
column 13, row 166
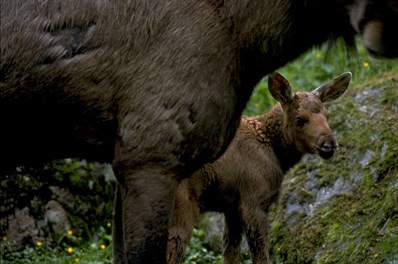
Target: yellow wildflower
column 366, row 64
column 69, row 249
column 109, row 224
column 70, row 232
column 76, row 260
column 102, row 246
column 39, row 243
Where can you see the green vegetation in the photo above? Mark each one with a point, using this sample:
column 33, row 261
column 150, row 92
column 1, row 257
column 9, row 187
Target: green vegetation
column 357, row 225
column 70, row 248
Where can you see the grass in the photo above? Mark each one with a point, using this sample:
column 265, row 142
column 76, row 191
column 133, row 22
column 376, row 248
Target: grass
column 305, row 73
column 91, row 254
column 70, row 248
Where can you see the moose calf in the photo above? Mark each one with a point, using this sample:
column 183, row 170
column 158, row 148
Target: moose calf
column 244, row 182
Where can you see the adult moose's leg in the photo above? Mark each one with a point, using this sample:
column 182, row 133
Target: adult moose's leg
column 158, row 143
column 146, row 200
column 145, row 167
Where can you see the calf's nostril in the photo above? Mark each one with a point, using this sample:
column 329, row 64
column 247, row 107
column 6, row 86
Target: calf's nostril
column 329, row 146
column 327, row 143
column 326, row 146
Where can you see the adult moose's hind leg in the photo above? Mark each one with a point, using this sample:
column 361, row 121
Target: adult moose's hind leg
column 146, row 198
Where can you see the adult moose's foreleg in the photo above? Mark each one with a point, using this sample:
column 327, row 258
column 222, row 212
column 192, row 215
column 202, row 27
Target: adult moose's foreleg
column 146, row 198
column 147, row 171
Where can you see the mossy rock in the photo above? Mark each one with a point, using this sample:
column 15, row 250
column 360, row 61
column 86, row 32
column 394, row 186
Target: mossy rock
column 62, row 203
column 345, row 210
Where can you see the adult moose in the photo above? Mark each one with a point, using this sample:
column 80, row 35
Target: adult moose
column 245, row 180
column 154, row 87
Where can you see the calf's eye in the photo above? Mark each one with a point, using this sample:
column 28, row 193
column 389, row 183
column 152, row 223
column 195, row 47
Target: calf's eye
column 301, row 121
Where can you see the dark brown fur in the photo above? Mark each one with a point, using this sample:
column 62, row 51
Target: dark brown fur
column 154, row 87
column 246, row 179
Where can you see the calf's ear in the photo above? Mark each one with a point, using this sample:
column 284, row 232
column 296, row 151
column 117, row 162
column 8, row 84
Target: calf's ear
column 334, row 89
column 279, row 87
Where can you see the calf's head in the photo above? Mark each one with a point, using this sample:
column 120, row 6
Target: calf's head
column 305, row 124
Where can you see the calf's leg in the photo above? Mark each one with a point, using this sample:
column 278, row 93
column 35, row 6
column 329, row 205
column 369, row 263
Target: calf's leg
column 255, row 221
column 183, row 219
column 232, row 238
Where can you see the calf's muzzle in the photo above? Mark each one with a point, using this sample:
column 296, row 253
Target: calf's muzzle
column 327, row 144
